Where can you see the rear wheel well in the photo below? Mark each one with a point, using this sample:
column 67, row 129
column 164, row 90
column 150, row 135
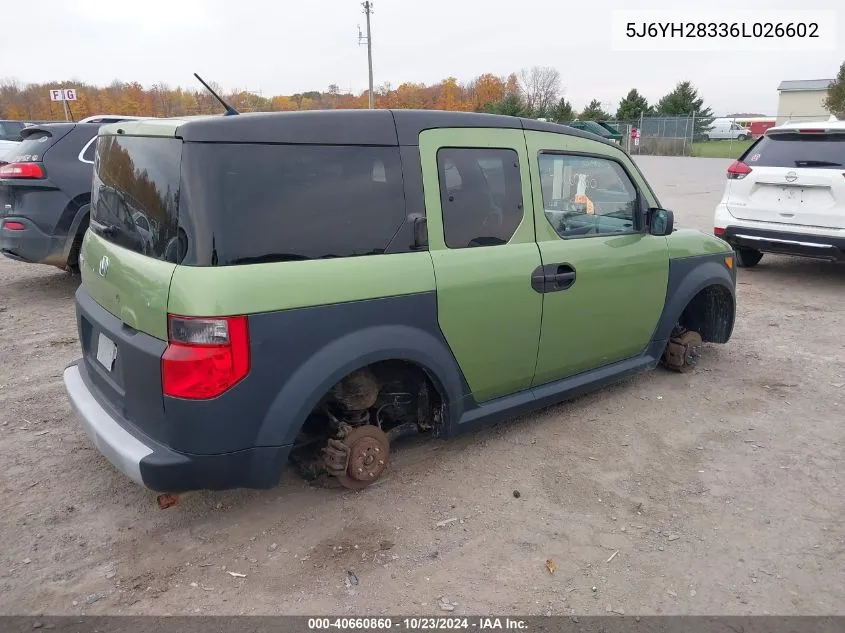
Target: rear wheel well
column 76, row 244
column 398, row 396
column 710, row 313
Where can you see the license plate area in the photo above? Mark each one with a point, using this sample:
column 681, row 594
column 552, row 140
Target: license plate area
column 106, row 351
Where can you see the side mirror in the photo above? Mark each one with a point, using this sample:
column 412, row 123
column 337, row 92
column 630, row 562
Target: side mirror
column 661, row 221
column 420, row 232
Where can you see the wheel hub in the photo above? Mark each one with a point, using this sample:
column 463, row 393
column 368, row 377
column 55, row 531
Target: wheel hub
column 368, row 451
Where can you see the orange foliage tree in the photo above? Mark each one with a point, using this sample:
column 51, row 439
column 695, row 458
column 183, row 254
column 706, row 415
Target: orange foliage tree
column 32, row 101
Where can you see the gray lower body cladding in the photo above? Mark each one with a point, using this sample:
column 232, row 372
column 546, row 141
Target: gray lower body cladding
column 243, row 437
column 156, row 465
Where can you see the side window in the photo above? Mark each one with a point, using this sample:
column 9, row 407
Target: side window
column 298, row 202
column 585, row 196
column 10, row 131
column 480, row 194
column 89, row 151
column 141, row 221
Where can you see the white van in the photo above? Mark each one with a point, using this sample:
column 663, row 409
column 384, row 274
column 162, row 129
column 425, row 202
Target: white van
column 726, row 129
column 786, row 194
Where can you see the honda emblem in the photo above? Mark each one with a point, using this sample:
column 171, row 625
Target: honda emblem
column 104, row 266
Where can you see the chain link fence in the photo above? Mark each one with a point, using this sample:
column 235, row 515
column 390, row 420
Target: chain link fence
column 663, row 136
column 689, row 136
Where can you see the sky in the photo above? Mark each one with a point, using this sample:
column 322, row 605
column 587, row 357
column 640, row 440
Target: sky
column 284, row 47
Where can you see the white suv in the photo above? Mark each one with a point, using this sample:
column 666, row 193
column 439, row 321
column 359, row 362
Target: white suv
column 786, row 194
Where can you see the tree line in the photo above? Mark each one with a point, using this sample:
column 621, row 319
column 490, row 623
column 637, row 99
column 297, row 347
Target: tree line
column 532, row 92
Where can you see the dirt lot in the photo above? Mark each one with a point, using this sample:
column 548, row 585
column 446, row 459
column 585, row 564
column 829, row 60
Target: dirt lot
column 720, row 490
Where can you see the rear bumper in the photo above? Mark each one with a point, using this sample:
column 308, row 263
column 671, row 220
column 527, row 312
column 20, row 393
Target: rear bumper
column 28, row 245
column 786, row 243
column 158, row 467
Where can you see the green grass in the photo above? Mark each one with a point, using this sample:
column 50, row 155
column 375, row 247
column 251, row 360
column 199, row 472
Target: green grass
column 720, row 149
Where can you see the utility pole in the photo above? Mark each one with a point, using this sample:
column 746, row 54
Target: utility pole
column 64, row 103
column 368, row 9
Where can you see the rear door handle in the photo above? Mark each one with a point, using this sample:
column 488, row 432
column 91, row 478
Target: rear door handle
column 553, row 277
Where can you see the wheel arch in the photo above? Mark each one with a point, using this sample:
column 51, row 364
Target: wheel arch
column 78, row 224
column 353, row 351
column 710, row 312
column 695, row 284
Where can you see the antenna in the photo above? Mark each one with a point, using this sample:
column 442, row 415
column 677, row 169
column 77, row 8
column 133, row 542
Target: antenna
column 229, row 109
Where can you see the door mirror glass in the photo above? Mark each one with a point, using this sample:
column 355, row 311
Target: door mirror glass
column 661, row 221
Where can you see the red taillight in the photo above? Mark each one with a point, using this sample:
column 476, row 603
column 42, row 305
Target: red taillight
column 738, row 170
column 204, row 357
column 22, row 170
column 13, row 226
column 718, row 231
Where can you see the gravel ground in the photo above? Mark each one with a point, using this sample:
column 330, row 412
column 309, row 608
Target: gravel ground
column 715, row 492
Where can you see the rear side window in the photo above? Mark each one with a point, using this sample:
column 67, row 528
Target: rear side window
column 88, row 151
column 135, row 195
column 480, row 194
column 819, row 151
column 252, row 203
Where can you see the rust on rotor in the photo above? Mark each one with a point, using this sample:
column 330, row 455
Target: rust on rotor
column 367, row 452
column 683, row 351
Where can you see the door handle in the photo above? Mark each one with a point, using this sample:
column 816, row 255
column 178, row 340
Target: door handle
column 553, row 278
column 566, row 277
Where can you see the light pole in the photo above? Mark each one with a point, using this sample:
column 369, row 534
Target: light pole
column 368, row 9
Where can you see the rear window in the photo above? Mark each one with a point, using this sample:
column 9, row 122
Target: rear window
column 32, row 149
column 11, row 130
column 819, row 151
column 251, row 203
column 135, row 195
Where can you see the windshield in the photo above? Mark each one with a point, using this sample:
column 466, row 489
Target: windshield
column 823, row 151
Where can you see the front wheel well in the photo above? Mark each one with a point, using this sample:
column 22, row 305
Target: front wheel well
column 710, row 313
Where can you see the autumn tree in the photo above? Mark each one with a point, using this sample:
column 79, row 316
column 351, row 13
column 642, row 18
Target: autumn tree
column 486, row 89
column 594, row 112
column 835, row 99
column 533, row 92
column 632, row 106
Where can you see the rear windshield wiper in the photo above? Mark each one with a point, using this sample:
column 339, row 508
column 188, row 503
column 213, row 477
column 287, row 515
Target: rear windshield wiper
column 270, row 258
column 104, row 229
column 816, row 163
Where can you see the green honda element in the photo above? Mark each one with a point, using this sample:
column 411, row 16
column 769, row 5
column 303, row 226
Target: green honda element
column 314, row 285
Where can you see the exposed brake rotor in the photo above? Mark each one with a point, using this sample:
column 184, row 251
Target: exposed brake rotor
column 367, row 450
column 683, row 351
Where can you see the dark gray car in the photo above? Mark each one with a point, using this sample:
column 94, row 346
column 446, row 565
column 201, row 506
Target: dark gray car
column 45, row 191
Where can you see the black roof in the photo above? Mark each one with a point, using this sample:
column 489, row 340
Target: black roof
column 353, row 127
